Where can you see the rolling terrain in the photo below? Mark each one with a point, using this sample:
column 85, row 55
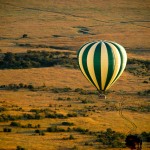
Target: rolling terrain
column 51, row 106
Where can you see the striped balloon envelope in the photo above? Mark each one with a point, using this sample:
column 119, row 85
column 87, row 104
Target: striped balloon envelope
column 102, row 63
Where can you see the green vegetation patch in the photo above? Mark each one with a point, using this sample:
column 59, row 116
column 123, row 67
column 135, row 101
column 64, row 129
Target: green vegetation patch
column 36, row 59
column 111, row 138
column 138, row 67
column 142, row 108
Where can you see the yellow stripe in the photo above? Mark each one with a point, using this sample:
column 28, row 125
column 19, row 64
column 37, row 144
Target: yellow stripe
column 124, row 56
column 124, row 62
column 104, row 65
column 90, row 64
column 80, row 61
column 117, row 64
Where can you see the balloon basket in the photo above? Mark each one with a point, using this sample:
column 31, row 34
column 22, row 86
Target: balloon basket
column 101, row 96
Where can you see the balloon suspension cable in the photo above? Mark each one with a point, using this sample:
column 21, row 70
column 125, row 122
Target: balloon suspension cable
column 134, row 127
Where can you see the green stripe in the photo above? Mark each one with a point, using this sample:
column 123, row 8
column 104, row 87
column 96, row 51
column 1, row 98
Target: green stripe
column 84, row 62
column 121, row 57
column 78, row 52
column 97, row 65
column 110, row 64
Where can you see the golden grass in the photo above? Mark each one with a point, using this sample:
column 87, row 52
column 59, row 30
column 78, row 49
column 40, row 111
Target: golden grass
column 125, row 22
column 116, row 21
column 63, row 77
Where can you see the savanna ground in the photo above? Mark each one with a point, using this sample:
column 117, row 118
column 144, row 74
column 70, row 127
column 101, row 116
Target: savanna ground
column 64, row 92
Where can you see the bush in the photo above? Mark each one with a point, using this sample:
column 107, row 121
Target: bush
column 55, row 129
column 24, row 36
column 61, row 116
column 20, row 148
column 81, row 130
column 78, row 90
column 71, row 137
column 85, row 101
column 2, row 109
column 29, row 125
column 67, row 123
column 88, row 144
column 31, row 87
column 35, row 110
column 18, row 86
column 15, row 124
column 144, row 93
column 5, row 117
column 145, row 136
column 60, row 98
column 40, row 132
column 111, row 138
column 37, row 131
column 138, row 67
column 141, row 108
column 7, row 130
column 72, row 115
column 33, row 116
column 61, row 90
column 36, row 58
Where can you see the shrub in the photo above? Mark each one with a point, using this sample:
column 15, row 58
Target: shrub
column 78, row 90
column 2, row 109
column 40, row 132
column 21, row 85
column 5, row 117
column 61, row 90
column 85, row 101
column 31, row 116
column 7, row 130
column 81, row 130
column 88, row 144
column 144, row 93
column 71, row 137
column 20, row 148
column 35, row 110
column 29, row 125
column 68, row 98
column 61, row 116
column 31, row 87
column 75, row 148
column 24, row 36
column 55, row 129
column 36, row 58
column 111, row 138
column 72, row 115
column 67, row 123
column 15, row 124
column 38, row 126
column 37, row 131
column 60, row 98
column 145, row 136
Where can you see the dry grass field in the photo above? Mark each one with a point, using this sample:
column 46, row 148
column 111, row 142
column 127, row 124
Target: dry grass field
column 63, row 92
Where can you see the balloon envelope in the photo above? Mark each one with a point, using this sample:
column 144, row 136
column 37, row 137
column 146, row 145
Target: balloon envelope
column 102, row 63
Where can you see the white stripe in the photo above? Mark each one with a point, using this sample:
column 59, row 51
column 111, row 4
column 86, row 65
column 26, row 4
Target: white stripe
column 124, row 55
column 80, row 60
column 117, row 64
column 104, row 65
column 90, row 64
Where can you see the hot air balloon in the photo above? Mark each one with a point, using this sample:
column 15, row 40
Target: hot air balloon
column 102, row 63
